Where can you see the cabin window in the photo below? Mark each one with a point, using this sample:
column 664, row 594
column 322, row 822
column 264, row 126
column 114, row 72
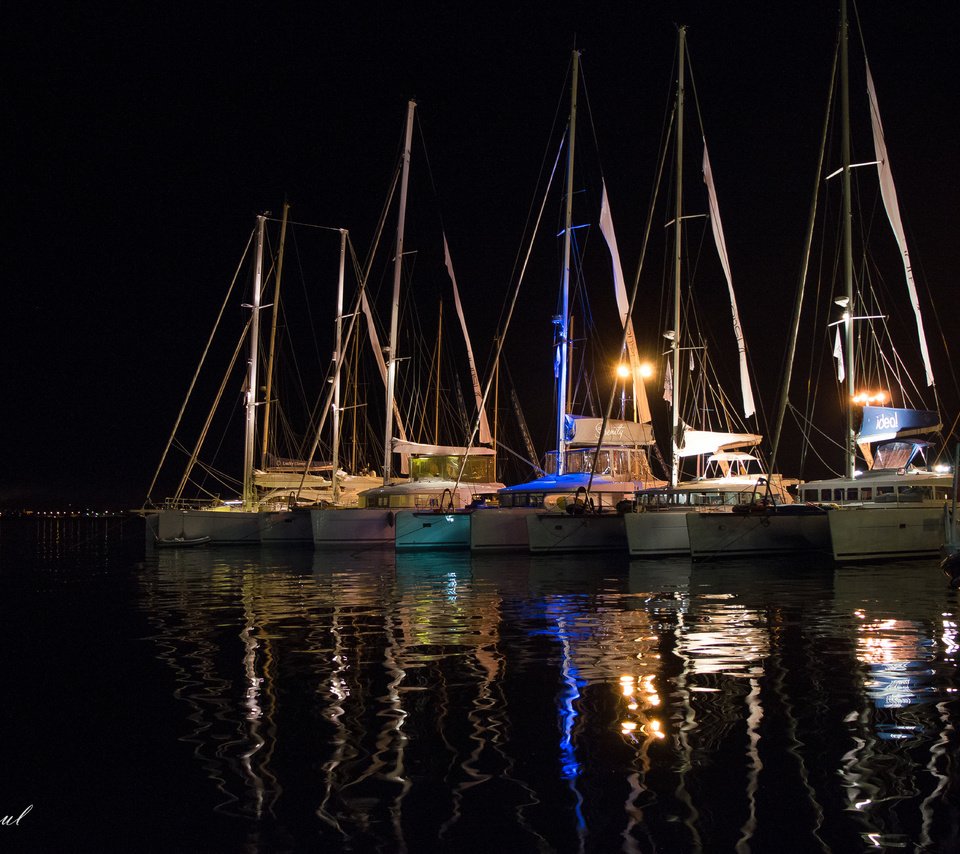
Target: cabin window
column 943, row 493
column 522, row 499
column 914, row 493
column 852, row 494
column 838, row 495
column 809, row 495
column 866, row 493
column 825, row 494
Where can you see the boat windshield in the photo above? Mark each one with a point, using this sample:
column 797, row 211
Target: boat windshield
column 476, row 469
column 615, row 463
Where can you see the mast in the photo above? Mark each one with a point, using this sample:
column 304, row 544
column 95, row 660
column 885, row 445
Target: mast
column 564, row 324
column 273, row 339
column 801, row 285
column 436, row 400
column 251, row 395
column 337, row 357
column 677, row 249
column 851, row 439
column 395, row 304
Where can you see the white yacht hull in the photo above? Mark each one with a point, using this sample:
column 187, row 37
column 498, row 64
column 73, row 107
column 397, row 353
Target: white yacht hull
column 352, row 526
column 716, row 535
column 501, row 529
column 896, row 531
column 426, row 530
column 561, row 532
column 657, row 534
column 223, row 527
column 286, row 527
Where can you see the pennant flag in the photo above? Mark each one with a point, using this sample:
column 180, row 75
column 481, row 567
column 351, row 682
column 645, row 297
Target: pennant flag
column 838, row 355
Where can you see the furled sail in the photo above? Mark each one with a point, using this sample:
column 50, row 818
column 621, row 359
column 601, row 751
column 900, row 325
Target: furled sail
column 623, row 304
column 715, row 224
column 382, row 365
column 478, row 393
column 697, row 442
column 889, row 193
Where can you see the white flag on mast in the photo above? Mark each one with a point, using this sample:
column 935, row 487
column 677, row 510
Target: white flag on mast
column 838, row 355
column 889, row 194
column 715, row 224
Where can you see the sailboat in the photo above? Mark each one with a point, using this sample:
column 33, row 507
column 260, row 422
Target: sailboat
column 214, row 521
column 441, row 477
column 894, row 508
column 729, row 473
column 275, row 488
column 293, row 487
column 608, row 457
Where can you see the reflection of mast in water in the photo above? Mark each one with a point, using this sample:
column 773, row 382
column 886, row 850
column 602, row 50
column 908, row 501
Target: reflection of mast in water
column 905, row 648
column 386, row 763
column 451, row 620
column 939, row 755
column 232, row 734
column 569, row 694
column 897, row 656
column 338, row 692
column 260, row 780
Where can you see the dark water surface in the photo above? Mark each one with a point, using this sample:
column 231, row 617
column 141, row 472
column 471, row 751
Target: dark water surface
column 281, row 700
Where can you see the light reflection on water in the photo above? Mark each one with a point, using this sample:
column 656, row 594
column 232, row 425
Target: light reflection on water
column 438, row 702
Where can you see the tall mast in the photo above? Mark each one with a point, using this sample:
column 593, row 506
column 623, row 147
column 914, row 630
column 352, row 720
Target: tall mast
column 436, row 400
column 395, row 305
column 337, row 358
column 564, row 324
column 677, row 250
column 851, row 439
column 251, row 396
column 268, row 393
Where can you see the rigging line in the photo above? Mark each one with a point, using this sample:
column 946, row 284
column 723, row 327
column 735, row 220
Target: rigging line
column 633, row 294
column 506, row 308
column 512, row 306
column 432, row 181
column 304, row 224
column 804, row 269
column 345, row 344
column 213, row 409
column 193, row 382
column 804, row 429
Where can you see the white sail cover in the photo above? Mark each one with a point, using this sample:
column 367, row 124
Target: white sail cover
column 623, row 304
column 583, row 431
column 484, row 427
column 715, row 224
column 889, row 193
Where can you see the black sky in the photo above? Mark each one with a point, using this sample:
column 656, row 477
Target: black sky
column 147, row 136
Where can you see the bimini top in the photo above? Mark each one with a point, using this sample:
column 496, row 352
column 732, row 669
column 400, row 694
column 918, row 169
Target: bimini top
column 565, row 483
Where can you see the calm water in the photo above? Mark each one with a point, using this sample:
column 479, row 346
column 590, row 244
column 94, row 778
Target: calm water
column 268, row 700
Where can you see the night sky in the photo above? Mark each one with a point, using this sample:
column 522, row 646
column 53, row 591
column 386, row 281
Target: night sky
column 146, row 137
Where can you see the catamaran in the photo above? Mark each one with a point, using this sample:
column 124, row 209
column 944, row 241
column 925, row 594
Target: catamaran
column 442, row 478
column 894, row 509
column 598, row 463
column 729, row 472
